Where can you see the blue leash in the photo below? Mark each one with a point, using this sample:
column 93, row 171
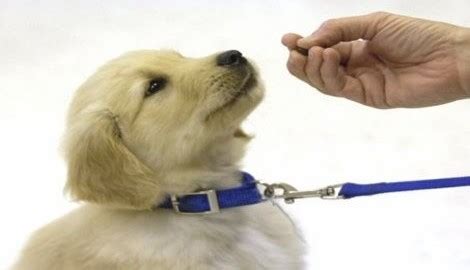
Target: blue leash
column 247, row 193
column 352, row 190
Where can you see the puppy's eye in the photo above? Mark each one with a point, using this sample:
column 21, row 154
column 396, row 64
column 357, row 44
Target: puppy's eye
column 155, row 86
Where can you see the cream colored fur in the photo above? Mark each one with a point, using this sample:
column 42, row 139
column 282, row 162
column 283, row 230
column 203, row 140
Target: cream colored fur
column 127, row 151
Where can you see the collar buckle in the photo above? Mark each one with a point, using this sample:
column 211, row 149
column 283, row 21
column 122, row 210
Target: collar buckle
column 211, row 196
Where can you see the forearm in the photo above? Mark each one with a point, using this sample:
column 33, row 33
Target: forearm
column 463, row 58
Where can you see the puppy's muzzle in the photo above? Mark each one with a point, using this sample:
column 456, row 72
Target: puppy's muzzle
column 231, row 58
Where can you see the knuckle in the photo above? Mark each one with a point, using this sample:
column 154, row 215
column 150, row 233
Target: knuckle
column 315, row 52
column 316, row 81
column 292, row 68
column 329, row 52
column 291, row 63
column 289, row 67
column 312, row 77
column 330, row 23
column 380, row 14
column 380, row 106
column 325, row 90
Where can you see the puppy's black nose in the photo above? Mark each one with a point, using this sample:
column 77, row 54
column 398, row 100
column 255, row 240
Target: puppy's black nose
column 230, row 58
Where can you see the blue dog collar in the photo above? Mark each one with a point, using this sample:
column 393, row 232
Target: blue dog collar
column 211, row 201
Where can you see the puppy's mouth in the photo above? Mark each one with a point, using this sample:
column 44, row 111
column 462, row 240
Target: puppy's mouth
column 248, row 84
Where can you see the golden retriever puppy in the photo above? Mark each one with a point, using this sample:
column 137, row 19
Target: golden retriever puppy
column 145, row 126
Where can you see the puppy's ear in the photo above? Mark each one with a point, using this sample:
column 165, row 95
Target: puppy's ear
column 101, row 169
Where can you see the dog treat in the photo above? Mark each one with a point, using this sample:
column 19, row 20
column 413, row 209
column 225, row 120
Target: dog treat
column 302, row 51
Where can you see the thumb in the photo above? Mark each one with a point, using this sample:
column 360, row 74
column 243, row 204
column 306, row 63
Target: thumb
column 338, row 30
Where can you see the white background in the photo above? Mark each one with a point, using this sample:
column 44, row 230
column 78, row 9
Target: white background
column 310, row 140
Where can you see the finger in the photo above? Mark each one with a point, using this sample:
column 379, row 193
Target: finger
column 354, row 90
column 345, row 29
column 344, row 50
column 366, row 88
column 312, row 68
column 296, row 65
column 290, row 40
column 374, row 92
column 332, row 73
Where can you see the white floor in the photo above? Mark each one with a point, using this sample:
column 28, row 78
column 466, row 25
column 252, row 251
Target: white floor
column 47, row 48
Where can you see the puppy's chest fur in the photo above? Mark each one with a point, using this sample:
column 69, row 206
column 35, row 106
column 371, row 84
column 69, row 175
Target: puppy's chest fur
column 251, row 237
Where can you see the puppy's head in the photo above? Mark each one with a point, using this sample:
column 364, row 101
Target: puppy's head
column 147, row 118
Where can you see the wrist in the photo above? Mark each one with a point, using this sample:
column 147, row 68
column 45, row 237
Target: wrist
column 463, row 59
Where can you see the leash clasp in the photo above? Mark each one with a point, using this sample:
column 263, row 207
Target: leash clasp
column 290, row 193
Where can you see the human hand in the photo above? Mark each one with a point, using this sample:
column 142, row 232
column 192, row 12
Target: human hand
column 385, row 60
